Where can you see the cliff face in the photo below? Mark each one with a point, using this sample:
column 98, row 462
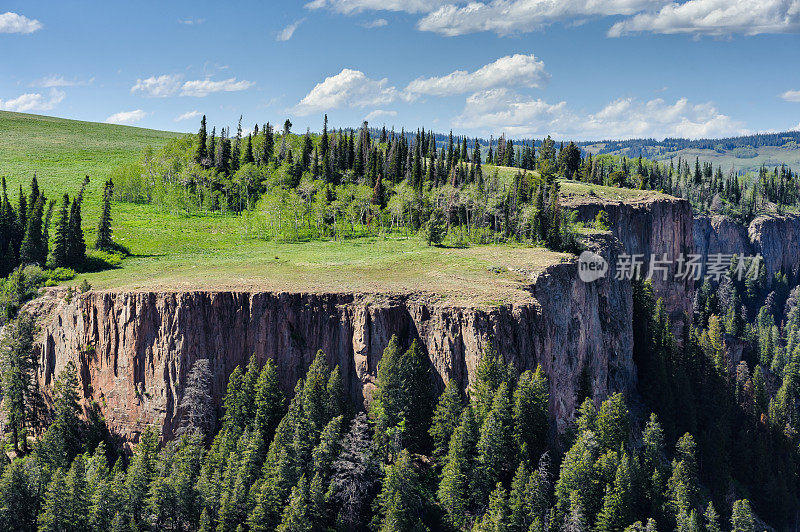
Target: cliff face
column 650, row 227
column 719, row 234
column 776, row 238
column 134, row 350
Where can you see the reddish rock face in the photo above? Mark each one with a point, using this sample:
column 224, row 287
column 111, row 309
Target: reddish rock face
column 134, row 350
column 652, row 226
column 777, row 238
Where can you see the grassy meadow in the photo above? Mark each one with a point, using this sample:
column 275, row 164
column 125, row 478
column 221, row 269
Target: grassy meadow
column 211, row 251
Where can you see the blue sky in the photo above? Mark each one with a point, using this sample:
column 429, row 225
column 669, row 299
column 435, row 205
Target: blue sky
column 581, row 70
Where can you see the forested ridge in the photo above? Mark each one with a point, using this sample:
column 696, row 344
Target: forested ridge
column 637, row 147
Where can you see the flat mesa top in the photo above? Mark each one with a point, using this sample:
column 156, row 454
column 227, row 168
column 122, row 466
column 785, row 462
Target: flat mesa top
column 477, row 275
column 573, row 192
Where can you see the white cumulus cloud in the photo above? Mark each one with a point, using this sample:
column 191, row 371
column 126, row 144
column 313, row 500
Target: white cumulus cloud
column 357, row 6
column 348, row 88
column 126, row 117
column 716, row 17
column 791, row 96
column 501, row 110
column 379, row 113
column 377, row 23
column 14, row 23
column 286, row 33
column 35, row 101
column 521, row 70
column 159, row 86
column 173, row 84
column 55, row 80
column 507, row 17
column 188, row 116
column 204, row 87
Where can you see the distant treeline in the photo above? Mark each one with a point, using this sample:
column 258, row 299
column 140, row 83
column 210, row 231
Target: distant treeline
column 635, row 147
column 352, row 182
column 349, row 183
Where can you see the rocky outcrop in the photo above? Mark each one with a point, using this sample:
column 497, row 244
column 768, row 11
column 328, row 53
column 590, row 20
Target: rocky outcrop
column 777, row 239
column 134, row 350
column 657, row 225
column 720, row 234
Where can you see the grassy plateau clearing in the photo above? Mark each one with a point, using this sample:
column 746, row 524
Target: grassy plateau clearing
column 173, row 251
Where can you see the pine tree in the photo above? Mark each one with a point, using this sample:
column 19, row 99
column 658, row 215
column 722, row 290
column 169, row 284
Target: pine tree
column 354, row 475
column 445, row 420
column 742, row 517
column 76, row 246
column 495, row 446
column 436, row 228
column 575, row 520
column 683, row 485
column 104, row 238
column 32, row 249
column 295, row 515
column 268, row 146
column 196, row 403
column 712, row 519
column 269, row 400
column 491, row 373
column 248, row 157
column 496, row 517
column 576, row 476
column 205, row 521
column 315, row 396
column 20, row 365
column 403, row 401
column 202, row 136
column 519, row 503
column 140, row 474
column 236, row 152
column 617, row 510
column 106, row 502
column 7, row 225
column 612, row 422
column 399, row 504
column 531, row 403
column 337, row 398
column 78, row 502
column 454, row 487
column 18, row 499
column 61, row 441
column 55, row 515
column 62, row 236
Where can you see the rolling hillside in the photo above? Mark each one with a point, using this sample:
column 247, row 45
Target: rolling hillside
column 747, row 153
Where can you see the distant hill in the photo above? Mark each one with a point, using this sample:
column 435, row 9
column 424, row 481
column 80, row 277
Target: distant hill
column 745, row 153
column 62, row 151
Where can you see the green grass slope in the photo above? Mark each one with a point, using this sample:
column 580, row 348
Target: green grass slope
column 62, row 151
